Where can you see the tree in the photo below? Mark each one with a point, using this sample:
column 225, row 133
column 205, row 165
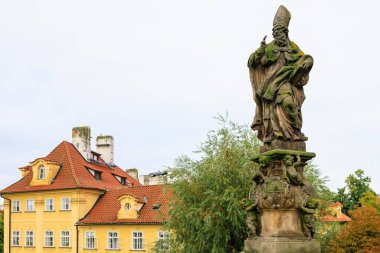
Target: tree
column 206, row 210
column 361, row 235
column 370, row 199
column 318, row 182
column 356, row 186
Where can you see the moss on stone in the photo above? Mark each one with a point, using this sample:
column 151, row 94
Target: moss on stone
column 101, row 137
column 82, row 131
column 278, row 153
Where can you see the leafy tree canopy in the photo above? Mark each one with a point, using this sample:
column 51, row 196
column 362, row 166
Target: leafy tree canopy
column 206, row 210
column 361, row 235
column 357, row 185
column 318, row 182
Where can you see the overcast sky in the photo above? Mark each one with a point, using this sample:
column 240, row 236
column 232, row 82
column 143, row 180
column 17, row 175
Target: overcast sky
column 154, row 74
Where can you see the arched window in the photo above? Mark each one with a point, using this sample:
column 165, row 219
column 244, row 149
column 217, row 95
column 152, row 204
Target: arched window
column 41, row 172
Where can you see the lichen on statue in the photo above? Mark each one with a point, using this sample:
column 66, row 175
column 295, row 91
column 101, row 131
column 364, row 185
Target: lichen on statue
column 278, row 72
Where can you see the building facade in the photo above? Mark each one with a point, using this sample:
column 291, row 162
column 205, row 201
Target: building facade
column 73, row 200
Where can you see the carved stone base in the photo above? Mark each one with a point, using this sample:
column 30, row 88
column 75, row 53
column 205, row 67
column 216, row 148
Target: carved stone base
column 280, row 144
column 281, row 245
column 281, row 222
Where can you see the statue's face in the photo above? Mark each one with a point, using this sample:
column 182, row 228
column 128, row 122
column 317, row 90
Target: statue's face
column 264, row 161
column 288, row 160
column 280, row 37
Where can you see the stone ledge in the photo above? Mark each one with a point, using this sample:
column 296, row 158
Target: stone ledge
column 281, row 245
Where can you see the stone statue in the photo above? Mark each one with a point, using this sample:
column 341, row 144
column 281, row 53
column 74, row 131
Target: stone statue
column 281, row 205
column 308, row 217
column 278, row 72
column 293, row 175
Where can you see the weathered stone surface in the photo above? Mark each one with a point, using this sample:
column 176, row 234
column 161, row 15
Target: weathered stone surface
column 281, row 222
column 281, row 205
column 280, row 144
column 278, row 72
column 281, row 245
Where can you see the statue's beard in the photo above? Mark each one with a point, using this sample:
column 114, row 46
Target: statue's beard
column 281, row 41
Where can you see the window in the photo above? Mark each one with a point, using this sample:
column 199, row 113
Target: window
column 16, row 238
column 41, row 173
column 49, row 204
column 30, row 205
column 163, row 241
column 16, row 206
column 113, row 240
column 137, row 240
column 65, row 238
column 49, row 239
column 29, row 238
column 97, row 175
column 90, row 240
column 123, row 181
column 65, row 203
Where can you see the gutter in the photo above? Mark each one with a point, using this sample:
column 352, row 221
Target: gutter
column 9, row 225
column 77, row 238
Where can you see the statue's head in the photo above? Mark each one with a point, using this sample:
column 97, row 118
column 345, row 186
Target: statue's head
column 280, row 26
column 288, row 160
column 264, row 161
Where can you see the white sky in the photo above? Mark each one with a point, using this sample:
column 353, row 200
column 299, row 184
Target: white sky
column 155, row 73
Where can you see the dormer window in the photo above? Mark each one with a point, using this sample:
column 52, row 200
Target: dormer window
column 97, row 175
column 127, row 207
column 41, row 173
column 122, row 180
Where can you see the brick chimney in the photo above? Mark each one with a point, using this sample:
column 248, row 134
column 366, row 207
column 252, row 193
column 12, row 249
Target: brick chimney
column 104, row 146
column 81, row 139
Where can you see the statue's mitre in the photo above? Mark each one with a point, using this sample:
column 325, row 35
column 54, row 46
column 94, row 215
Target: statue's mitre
column 282, row 17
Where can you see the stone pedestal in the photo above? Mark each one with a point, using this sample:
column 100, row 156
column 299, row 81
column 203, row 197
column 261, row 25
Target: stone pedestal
column 281, row 223
column 281, row 245
column 281, row 217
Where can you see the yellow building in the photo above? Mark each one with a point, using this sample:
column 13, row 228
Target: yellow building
column 74, row 200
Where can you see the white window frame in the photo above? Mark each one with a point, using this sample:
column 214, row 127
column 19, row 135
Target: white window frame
column 16, row 208
column 30, row 208
column 49, row 239
column 41, row 173
column 16, row 234
column 137, row 241
column 113, row 240
column 29, row 238
column 90, row 240
column 65, row 239
column 65, row 203
column 49, row 206
column 163, row 235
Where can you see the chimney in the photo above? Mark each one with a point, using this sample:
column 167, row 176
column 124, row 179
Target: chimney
column 133, row 173
column 104, row 146
column 82, row 140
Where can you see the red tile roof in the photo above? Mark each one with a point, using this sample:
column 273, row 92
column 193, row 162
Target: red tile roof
column 336, row 204
column 331, row 217
column 73, row 173
column 106, row 209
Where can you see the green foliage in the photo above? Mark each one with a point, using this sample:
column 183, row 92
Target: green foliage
column 327, row 231
column 318, row 182
column 361, row 235
column 356, row 186
column 371, row 199
column 206, row 211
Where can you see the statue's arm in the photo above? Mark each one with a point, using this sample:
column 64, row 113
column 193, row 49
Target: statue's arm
column 255, row 57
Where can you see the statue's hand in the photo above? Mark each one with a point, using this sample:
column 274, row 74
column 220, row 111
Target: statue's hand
column 306, row 65
column 263, row 43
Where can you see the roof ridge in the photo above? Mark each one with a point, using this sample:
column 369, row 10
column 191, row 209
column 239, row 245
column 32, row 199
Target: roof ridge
column 71, row 164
